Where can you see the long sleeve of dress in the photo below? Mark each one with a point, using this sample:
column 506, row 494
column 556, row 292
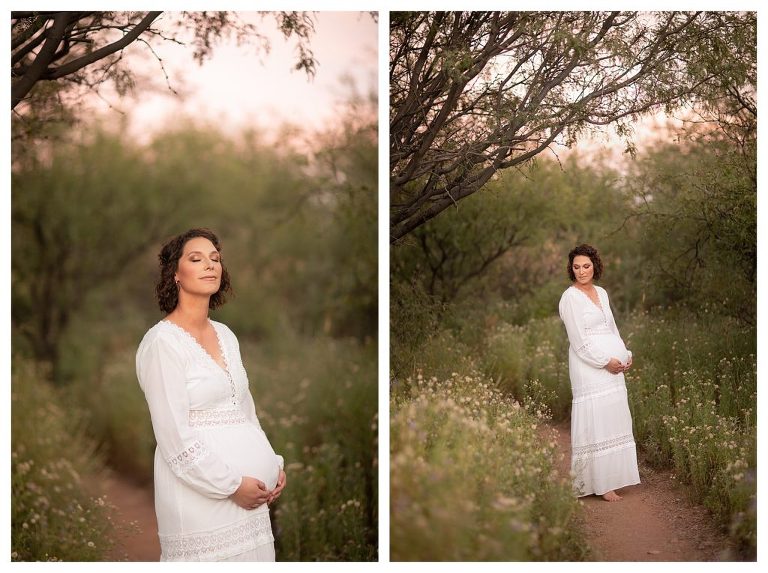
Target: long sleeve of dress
column 161, row 375
column 588, row 352
column 249, row 406
column 250, row 412
column 612, row 322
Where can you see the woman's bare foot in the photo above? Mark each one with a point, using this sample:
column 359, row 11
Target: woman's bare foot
column 611, row 496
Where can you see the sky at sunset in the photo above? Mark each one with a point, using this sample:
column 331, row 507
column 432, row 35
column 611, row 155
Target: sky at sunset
column 241, row 86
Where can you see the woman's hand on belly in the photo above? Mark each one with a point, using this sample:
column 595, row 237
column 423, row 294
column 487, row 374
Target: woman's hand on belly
column 251, row 493
column 281, row 481
column 615, row 366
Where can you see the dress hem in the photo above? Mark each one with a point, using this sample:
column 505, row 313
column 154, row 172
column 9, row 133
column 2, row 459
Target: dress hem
column 612, row 489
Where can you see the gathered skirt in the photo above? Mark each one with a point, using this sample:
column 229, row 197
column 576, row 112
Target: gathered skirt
column 603, row 454
column 264, row 552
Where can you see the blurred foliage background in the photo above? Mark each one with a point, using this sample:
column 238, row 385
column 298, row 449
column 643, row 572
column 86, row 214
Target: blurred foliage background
column 90, row 209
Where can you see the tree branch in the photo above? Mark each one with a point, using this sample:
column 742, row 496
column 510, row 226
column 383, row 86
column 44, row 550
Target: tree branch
column 34, row 73
column 96, row 55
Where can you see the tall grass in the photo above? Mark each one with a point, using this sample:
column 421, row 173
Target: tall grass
column 530, row 362
column 317, row 401
column 693, row 397
column 54, row 516
column 473, row 479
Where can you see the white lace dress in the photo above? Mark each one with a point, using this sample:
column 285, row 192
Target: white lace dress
column 603, row 456
column 208, row 437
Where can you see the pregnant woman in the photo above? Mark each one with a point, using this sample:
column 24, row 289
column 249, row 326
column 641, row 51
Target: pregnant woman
column 603, row 456
column 215, row 470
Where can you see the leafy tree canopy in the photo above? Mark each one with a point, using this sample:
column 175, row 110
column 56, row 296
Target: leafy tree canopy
column 473, row 93
column 86, row 48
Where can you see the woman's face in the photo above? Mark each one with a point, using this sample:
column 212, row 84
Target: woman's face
column 199, row 268
column 583, row 269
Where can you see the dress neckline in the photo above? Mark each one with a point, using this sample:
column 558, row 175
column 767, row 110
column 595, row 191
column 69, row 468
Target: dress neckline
column 200, row 347
column 592, row 302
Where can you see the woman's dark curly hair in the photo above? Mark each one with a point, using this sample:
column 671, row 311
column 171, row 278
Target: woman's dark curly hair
column 166, row 289
column 586, row 251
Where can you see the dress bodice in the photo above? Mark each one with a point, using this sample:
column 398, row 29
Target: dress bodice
column 209, row 385
column 591, row 329
column 594, row 318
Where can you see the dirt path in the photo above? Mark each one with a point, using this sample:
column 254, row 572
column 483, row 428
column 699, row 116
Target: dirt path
column 136, row 520
column 654, row 522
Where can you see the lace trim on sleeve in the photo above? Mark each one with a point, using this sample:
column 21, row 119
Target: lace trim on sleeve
column 584, row 348
column 181, row 463
column 586, row 354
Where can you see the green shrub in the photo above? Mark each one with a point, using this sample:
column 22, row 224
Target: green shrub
column 693, row 397
column 530, row 362
column 472, row 478
column 316, row 399
column 54, row 467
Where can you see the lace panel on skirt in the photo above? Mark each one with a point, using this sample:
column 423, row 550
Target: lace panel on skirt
column 604, row 447
column 225, row 542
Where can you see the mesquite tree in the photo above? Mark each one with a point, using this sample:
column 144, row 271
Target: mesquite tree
column 87, row 47
column 472, row 93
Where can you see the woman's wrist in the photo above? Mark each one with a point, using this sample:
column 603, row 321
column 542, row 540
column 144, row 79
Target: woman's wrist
column 239, row 485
